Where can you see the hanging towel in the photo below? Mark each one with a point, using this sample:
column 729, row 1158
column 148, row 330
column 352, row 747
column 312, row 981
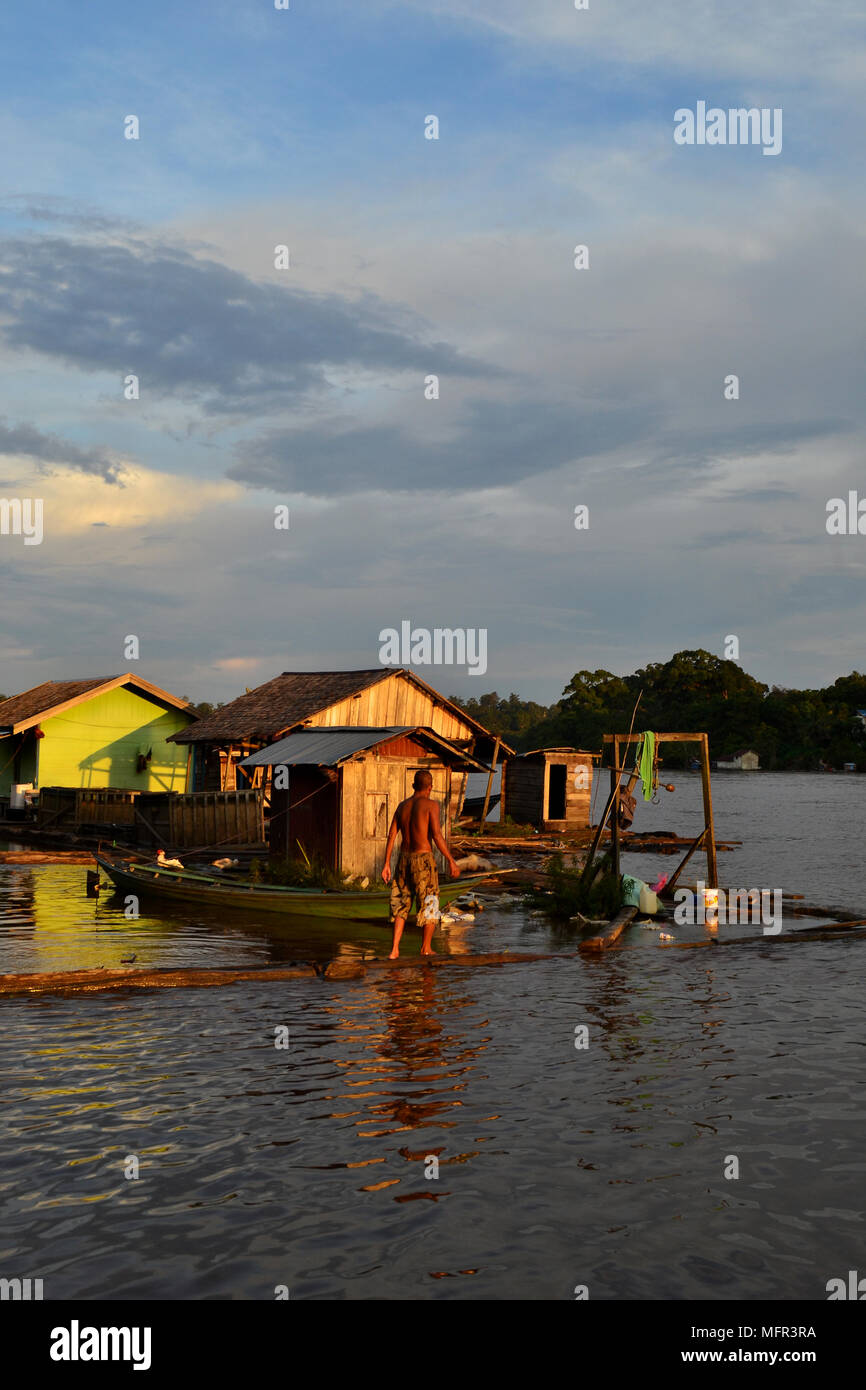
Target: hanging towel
column 646, row 765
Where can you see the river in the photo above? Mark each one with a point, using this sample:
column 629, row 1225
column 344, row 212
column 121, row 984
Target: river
column 313, row 1167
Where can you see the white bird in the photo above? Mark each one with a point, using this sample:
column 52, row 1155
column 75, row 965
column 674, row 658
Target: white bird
column 167, row 863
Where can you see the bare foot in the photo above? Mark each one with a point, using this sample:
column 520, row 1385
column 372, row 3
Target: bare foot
column 428, row 953
column 395, row 955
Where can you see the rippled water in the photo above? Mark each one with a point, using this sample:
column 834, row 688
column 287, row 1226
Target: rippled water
column 305, row 1167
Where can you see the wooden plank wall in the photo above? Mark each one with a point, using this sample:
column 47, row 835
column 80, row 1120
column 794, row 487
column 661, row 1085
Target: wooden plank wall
column 394, row 701
column 526, row 791
column 105, row 807
column 217, row 819
column 372, row 789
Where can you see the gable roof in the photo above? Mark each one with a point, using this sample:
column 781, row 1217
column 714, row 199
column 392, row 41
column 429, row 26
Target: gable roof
column 326, row 747
column 281, row 704
column 559, row 748
column 21, row 712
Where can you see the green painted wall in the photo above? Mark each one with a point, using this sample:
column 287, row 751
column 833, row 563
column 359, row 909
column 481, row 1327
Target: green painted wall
column 96, row 744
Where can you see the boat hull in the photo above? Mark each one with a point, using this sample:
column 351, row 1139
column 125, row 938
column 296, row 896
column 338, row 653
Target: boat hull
column 202, row 890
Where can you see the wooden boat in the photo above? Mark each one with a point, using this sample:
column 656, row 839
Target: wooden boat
column 184, row 885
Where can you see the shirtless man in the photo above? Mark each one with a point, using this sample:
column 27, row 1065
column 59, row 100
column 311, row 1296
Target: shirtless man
column 417, row 820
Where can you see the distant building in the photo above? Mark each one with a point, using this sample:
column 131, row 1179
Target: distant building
column 550, row 788
column 105, row 731
column 745, row 761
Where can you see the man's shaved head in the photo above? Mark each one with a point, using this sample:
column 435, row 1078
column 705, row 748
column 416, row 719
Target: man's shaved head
column 421, row 781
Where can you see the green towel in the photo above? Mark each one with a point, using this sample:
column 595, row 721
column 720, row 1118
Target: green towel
column 646, row 762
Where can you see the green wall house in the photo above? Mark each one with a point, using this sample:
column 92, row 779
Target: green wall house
column 103, row 732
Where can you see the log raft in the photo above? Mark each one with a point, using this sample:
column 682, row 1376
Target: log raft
column 349, row 968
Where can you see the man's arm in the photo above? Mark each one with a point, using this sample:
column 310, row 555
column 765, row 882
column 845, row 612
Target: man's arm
column 439, row 839
column 389, row 848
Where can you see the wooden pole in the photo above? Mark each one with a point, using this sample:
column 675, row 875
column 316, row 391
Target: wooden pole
column 672, row 881
column 490, row 780
column 712, row 867
column 614, row 822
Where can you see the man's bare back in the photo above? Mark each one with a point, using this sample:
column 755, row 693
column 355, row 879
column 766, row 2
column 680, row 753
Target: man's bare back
column 413, row 817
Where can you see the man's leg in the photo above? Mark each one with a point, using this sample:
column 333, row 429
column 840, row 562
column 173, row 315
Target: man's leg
column 400, row 903
column 427, row 939
column 399, row 924
column 428, row 898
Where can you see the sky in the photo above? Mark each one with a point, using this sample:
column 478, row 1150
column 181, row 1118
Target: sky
column 306, row 386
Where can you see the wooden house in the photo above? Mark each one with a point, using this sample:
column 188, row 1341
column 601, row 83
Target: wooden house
column 341, row 786
column 106, row 731
column 382, row 698
column 550, row 788
column 746, row 760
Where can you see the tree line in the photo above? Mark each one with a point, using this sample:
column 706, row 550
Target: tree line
column 694, row 691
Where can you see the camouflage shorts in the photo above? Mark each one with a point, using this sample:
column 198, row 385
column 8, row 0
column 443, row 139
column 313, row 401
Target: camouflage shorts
column 416, row 876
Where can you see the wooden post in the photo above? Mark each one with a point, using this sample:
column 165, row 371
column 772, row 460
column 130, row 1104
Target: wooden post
column 490, row 780
column 712, row 867
column 614, row 790
column 671, row 884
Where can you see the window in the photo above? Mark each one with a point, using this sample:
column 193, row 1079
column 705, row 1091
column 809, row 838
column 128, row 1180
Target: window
column 375, row 815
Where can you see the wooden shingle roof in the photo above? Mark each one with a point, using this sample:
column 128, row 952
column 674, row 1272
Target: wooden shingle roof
column 19, row 712
column 288, row 699
column 282, row 704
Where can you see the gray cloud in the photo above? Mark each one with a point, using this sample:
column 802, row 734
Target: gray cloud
column 191, row 327
column 497, row 443
column 46, row 449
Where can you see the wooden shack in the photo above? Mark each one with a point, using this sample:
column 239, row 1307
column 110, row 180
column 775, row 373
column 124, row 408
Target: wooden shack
column 550, row 788
column 381, row 698
column 344, row 785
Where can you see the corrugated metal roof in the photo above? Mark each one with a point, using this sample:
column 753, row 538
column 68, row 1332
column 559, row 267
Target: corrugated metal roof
column 326, row 747
column 321, row 746
column 559, row 748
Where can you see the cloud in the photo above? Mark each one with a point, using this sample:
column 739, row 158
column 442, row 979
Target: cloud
column 750, row 38
column 47, row 449
column 192, row 327
column 494, row 443
column 72, row 505
column 239, row 663
column 67, row 212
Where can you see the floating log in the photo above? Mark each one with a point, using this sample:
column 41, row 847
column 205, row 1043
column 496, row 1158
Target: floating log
column 609, row 935
column 36, row 856
column 828, row 932
column 90, row 981
column 346, row 968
